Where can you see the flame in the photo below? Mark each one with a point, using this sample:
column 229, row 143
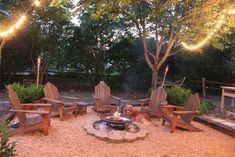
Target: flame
column 116, row 115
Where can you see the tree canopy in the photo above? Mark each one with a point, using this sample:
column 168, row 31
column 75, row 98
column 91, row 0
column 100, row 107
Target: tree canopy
column 115, row 39
column 169, row 22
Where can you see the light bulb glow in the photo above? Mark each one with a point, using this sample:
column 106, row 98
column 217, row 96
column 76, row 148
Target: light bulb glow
column 211, row 34
column 11, row 29
column 37, row 3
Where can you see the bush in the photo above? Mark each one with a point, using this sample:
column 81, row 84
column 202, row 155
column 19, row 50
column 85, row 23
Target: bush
column 28, row 94
column 178, row 95
column 7, row 149
column 205, row 107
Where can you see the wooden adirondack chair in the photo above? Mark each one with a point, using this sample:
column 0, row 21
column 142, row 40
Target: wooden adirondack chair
column 154, row 102
column 40, row 122
column 182, row 117
column 60, row 107
column 103, row 98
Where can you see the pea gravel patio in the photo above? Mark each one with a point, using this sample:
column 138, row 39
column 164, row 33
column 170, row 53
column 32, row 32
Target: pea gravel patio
column 68, row 138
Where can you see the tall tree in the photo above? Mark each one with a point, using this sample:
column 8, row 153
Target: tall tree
column 43, row 33
column 168, row 21
column 97, row 48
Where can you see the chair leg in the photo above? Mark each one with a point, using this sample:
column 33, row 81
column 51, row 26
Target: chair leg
column 75, row 103
column 61, row 112
column 45, row 123
column 163, row 121
column 48, row 108
column 173, row 123
column 142, row 106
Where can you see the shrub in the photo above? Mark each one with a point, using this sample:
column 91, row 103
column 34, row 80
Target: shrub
column 7, row 149
column 178, row 95
column 28, row 94
column 205, row 107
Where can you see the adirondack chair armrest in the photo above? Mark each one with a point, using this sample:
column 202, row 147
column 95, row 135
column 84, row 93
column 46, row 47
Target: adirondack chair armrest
column 174, row 107
column 53, row 101
column 31, row 112
column 116, row 98
column 69, row 97
column 144, row 100
column 82, row 103
column 170, row 108
column 184, row 112
column 36, row 104
column 46, row 107
column 96, row 98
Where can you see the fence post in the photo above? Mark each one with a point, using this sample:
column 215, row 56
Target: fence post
column 203, row 87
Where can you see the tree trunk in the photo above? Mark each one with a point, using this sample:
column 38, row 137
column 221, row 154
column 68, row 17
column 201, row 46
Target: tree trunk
column 1, row 48
column 154, row 79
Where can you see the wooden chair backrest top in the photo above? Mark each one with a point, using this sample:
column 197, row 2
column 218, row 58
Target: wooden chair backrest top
column 102, row 91
column 51, row 91
column 157, row 97
column 16, row 104
column 192, row 104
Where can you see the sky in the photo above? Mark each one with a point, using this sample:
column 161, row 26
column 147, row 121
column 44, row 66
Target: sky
column 75, row 18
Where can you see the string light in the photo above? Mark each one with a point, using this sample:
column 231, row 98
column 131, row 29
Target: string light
column 210, row 35
column 230, row 12
column 13, row 28
column 37, row 3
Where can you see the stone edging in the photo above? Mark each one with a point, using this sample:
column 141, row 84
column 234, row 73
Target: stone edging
column 216, row 125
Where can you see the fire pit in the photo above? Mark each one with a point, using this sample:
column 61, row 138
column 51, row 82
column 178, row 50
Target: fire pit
column 117, row 120
column 116, row 128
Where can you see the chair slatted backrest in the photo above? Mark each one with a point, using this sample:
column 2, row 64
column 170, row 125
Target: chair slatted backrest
column 192, row 104
column 102, row 91
column 51, row 91
column 157, row 97
column 16, row 104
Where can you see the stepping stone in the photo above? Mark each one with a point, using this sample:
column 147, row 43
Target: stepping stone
column 101, row 135
column 141, row 134
column 91, row 130
column 129, row 137
column 115, row 138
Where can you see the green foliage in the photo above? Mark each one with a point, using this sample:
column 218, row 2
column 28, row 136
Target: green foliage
column 205, row 107
column 57, row 3
column 178, row 95
column 7, row 149
column 212, row 64
column 168, row 21
column 28, row 94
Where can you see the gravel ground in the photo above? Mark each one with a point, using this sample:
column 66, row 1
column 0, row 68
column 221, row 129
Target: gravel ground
column 69, row 139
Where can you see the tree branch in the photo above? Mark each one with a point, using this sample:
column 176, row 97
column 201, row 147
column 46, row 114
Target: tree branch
column 1, row 47
column 159, row 48
column 150, row 52
column 169, row 47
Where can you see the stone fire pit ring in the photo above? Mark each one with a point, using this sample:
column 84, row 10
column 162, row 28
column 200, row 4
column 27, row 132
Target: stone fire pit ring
column 116, row 136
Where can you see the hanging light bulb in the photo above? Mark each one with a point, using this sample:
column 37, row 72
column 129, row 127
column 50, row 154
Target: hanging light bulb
column 210, row 35
column 37, row 3
column 11, row 29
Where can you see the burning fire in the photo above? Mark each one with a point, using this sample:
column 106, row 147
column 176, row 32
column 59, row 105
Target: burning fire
column 116, row 115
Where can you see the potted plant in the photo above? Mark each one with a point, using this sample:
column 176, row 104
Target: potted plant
column 178, row 95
